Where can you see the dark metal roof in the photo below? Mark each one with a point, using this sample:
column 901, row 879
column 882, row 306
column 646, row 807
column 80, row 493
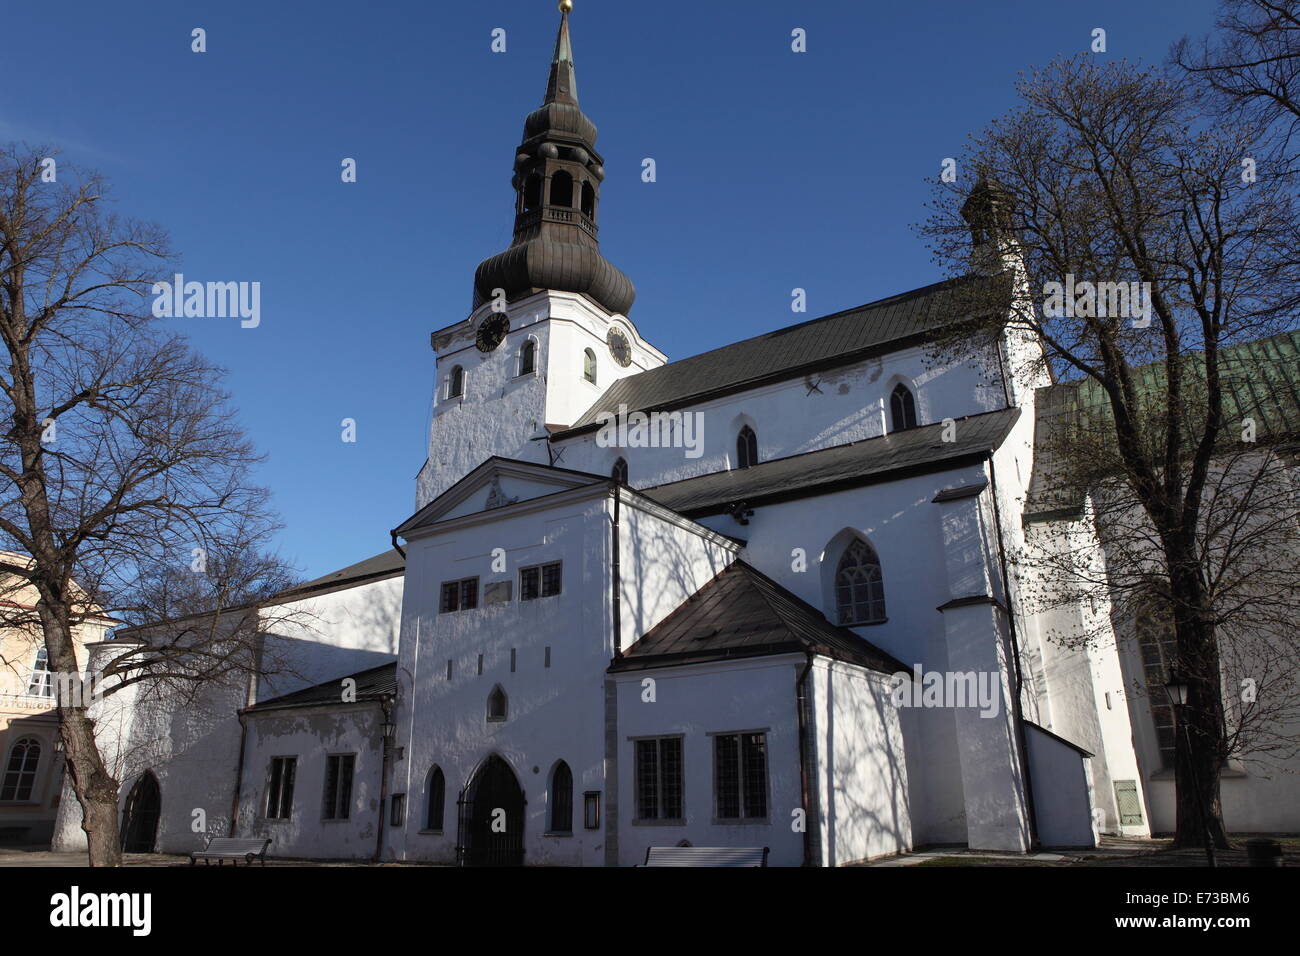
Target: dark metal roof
column 743, row 613
column 385, row 563
column 372, row 684
column 786, row 353
column 917, row 450
column 554, row 245
column 1261, row 381
column 1059, row 739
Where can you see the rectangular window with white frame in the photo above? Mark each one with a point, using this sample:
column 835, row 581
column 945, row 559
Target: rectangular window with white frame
column 41, row 684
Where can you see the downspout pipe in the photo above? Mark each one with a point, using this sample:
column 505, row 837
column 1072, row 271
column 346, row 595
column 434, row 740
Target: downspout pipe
column 616, row 579
column 386, row 715
column 239, row 771
column 805, row 782
column 1034, row 843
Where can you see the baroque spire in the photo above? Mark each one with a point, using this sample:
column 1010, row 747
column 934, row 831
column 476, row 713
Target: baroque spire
column 557, row 196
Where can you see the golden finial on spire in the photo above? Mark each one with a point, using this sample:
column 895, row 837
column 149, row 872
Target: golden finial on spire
column 566, row 6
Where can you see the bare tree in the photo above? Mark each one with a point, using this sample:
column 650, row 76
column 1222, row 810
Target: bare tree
column 126, row 482
column 1140, row 254
column 1252, row 65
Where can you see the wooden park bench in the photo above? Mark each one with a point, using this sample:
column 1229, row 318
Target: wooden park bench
column 232, row 849
column 705, row 856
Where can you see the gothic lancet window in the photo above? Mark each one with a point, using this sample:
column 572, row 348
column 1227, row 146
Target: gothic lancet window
column 561, row 799
column 746, row 448
column 1159, row 650
column 496, row 704
column 589, row 366
column 859, row 586
column 619, row 471
column 527, row 357
column 436, row 799
column 456, row 387
column 902, row 409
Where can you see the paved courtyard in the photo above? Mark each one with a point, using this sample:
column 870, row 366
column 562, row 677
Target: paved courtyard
column 1114, row 851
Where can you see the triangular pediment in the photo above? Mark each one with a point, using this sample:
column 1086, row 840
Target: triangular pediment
column 497, row 483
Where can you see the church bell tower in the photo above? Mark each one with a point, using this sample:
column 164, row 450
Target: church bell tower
column 548, row 330
column 557, row 199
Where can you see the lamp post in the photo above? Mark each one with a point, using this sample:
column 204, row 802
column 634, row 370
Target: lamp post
column 1177, row 688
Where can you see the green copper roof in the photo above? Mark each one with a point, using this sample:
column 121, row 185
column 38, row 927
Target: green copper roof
column 1260, row 379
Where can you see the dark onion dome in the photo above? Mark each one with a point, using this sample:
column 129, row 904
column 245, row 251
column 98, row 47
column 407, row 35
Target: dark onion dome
column 557, row 191
column 543, row 263
column 564, row 119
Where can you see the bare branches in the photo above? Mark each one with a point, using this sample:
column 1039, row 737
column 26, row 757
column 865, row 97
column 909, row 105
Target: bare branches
column 125, row 483
column 1252, row 66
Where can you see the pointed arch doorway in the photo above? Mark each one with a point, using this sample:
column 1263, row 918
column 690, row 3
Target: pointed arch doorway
column 490, row 831
column 140, row 815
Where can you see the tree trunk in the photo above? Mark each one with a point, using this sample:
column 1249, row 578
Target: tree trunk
column 95, row 787
column 1199, row 744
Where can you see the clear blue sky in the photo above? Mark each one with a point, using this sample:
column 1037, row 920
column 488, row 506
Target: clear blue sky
column 775, row 170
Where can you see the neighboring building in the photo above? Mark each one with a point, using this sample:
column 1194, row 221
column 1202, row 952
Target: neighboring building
column 173, row 758
column 31, row 775
column 597, row 640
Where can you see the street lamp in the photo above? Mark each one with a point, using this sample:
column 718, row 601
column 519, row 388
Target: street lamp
column 1176, row 687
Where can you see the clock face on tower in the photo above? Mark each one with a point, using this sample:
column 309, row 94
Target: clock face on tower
column 619, row 347
column 492, row 331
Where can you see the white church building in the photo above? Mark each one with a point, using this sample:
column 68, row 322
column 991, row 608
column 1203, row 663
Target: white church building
column 643, row 602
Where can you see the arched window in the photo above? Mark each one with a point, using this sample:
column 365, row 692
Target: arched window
column 902, row 408
column 1159, row 650
column 435, row 799
column 561, row 799
column 588, row 201
column 456, row 387
column 619, row 471
column 40, row 683
column 20, row 771
column 532, row 192
column 589, row 365
column 527, row 357
column 561, row 189
column 746, row 448
column 859, row 587
column 496, row 704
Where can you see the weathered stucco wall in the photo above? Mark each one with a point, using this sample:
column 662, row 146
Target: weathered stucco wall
column 312, row 735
